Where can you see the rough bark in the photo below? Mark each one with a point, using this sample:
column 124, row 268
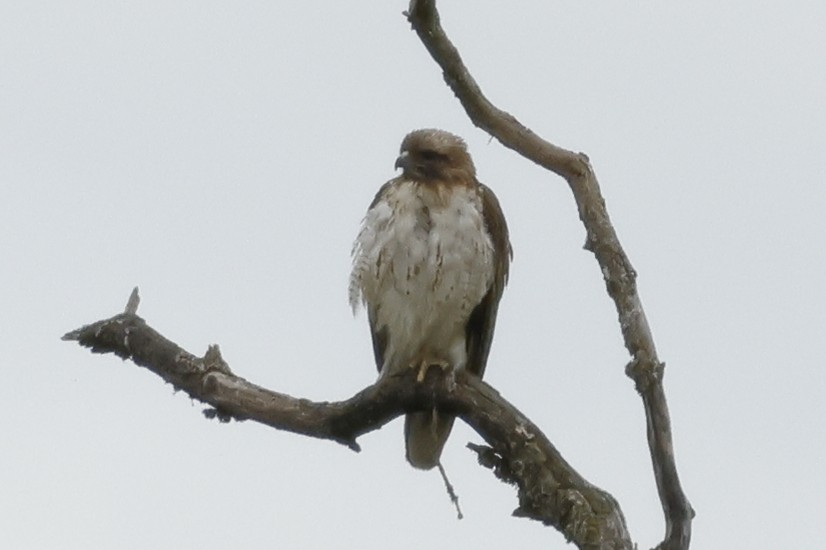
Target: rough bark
column 549, row 489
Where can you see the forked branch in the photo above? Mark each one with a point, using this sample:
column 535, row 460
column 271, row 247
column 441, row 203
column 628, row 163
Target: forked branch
column 549, row 489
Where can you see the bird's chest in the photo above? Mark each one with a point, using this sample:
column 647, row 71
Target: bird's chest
column 427, row 262
column 436, row 254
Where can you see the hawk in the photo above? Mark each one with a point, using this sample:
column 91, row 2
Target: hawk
column 429, row 264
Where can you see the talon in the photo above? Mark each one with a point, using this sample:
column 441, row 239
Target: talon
column 422, row 371
column 426, row 364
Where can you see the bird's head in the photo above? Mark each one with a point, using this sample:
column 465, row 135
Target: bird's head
column 435, row 155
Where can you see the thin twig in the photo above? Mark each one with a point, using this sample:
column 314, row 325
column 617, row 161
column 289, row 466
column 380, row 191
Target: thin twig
column 454, row 498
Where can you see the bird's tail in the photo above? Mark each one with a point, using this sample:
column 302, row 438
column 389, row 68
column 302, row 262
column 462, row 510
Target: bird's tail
column 425, row 434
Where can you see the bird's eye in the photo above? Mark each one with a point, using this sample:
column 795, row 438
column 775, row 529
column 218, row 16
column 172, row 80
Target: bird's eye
column 430, row 155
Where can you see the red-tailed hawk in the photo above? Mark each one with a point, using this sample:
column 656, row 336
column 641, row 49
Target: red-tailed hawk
column 430, row 264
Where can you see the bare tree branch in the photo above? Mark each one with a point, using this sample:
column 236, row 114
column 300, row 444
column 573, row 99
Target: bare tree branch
column 549, row 489
column 620, row 278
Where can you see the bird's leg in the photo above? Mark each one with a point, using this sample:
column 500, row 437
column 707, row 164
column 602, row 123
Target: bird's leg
column 425, row 364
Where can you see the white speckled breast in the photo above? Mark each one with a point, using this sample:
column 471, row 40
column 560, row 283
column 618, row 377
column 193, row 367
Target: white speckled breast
column 421, row 262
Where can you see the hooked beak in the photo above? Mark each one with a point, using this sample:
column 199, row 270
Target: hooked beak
column 403, row 161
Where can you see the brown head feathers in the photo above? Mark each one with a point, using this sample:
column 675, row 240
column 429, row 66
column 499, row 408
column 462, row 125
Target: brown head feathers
column 435, row 155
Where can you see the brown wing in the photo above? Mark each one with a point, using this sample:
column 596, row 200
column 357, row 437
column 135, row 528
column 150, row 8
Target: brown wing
column 379, row 340
column 480, row 326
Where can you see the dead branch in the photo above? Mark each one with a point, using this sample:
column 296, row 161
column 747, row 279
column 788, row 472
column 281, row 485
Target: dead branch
column 620, row 278
column 549, row 489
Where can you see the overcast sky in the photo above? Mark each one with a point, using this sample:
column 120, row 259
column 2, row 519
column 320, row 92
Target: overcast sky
column 221, row 155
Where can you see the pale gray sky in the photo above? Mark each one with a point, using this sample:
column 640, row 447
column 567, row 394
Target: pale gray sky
column 220, row 155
